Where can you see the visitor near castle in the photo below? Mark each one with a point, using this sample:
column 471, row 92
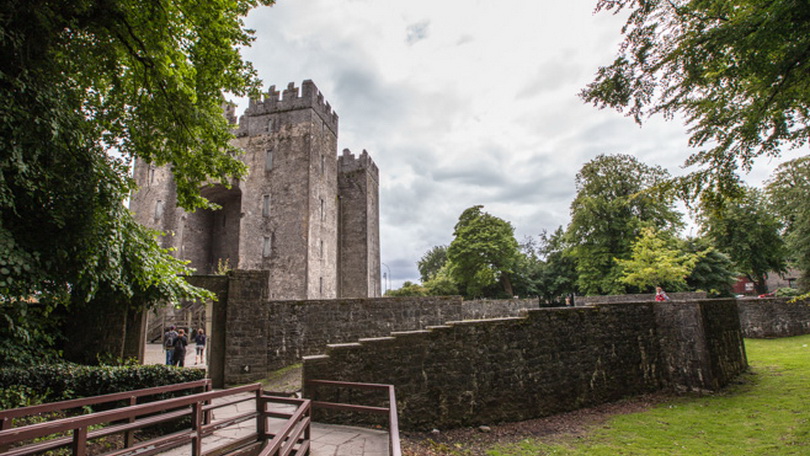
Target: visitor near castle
column 199, row 340
column 180, row 342
column 660, row 295
column 168, row 344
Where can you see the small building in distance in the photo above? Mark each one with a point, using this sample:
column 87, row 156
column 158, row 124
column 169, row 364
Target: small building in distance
column 303, row 213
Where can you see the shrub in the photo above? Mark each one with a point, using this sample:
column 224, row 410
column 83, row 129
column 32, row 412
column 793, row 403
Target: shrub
column 57, row 382
column 787, row 292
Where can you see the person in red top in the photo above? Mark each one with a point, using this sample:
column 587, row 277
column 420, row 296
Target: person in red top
column 660, row 295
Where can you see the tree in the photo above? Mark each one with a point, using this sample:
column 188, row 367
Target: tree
column 737, row 71
column 714, row 272
column 748, row 232
column 408, row 289
column 616, row 196
column 85, row 87
column 559, row 274
column 526, row 278
column 788, row 190
column 431, row 262
column 483, row 253
column 441, row 283
column 657, row 261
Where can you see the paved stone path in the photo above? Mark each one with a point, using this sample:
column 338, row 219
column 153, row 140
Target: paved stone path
column 327, row 439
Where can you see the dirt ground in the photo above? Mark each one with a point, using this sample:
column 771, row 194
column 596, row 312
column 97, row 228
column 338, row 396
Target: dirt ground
column 474, row 441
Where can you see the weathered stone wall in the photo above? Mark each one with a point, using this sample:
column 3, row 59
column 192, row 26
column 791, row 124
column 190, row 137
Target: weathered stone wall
column 701, row 343
column 478, row 309
column 263, row 335
column 217, row 316
column 610, row 299
column 552, row 360
column 774, row 317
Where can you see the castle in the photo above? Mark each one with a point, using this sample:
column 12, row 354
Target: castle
column 303, row 213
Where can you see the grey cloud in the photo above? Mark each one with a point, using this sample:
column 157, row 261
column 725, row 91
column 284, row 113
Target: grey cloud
column 543, row 188
column 464, row 39
column 417, row 32
column 551, row 76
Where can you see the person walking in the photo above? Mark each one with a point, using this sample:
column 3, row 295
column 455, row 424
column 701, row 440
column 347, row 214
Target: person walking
column 199, row 340
column 180, row 349
column 168, row 344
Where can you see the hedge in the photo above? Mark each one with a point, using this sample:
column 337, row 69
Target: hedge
column 59, row 382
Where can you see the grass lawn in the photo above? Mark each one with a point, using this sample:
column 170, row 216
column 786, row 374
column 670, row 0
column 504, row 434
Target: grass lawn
column 768, row 414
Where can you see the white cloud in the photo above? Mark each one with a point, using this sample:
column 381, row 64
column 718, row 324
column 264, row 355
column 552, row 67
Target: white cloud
column 461, row 103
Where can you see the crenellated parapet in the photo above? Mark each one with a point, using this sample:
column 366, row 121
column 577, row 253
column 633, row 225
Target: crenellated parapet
column 292, row 98
column 347, row 162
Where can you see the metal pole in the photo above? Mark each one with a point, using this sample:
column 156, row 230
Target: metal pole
column 387, row 284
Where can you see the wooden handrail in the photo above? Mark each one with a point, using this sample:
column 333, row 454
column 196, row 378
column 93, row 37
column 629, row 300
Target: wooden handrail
column 290, row 434
column 294, row 436
column 394, row 445
column 33, row 431
column 95, row 400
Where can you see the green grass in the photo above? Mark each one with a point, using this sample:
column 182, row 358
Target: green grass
column 768, row 414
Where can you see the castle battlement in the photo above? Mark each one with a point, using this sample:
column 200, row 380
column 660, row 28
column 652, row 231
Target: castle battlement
column 347, row 162
column 306, row 97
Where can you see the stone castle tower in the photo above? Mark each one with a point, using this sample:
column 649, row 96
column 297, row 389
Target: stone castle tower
column 308, row 217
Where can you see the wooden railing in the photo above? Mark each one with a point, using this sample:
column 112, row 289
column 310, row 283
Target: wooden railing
column 394, row 446
column 296, row 429
column 7, row 417
column 75, row 432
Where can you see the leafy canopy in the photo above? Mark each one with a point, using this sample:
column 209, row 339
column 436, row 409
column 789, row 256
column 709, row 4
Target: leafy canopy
column 431, row 262
column 86, row 85
column 738, row 71
column 616, row 196
column 788, row 189
column 749, row 233
column 483, row 252
column 657, row 261
column 714, row 271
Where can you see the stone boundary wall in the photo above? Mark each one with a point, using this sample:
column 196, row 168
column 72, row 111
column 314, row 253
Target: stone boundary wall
column 610, row 299
column 774, row 317
column 479, row 309
column 469, row 373
column 253, row 336
column 261, row 336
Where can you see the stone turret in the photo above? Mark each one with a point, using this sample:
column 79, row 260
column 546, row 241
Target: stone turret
column 358, row 190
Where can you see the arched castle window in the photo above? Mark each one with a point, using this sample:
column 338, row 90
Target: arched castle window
column 268, row 160
column 323, row 164
column 269, row 125
column 323, row 216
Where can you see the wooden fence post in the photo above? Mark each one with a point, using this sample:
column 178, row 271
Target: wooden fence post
column 79, row 445
column 196, row 426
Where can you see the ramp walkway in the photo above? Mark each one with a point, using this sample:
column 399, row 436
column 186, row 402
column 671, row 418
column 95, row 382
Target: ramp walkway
column 325, row 439
column 244, row 421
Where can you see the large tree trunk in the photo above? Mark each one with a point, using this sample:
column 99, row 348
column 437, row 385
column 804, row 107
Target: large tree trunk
column 760, row 284
column 506, row 283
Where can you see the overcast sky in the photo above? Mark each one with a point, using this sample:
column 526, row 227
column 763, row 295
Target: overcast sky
column 462, row 103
